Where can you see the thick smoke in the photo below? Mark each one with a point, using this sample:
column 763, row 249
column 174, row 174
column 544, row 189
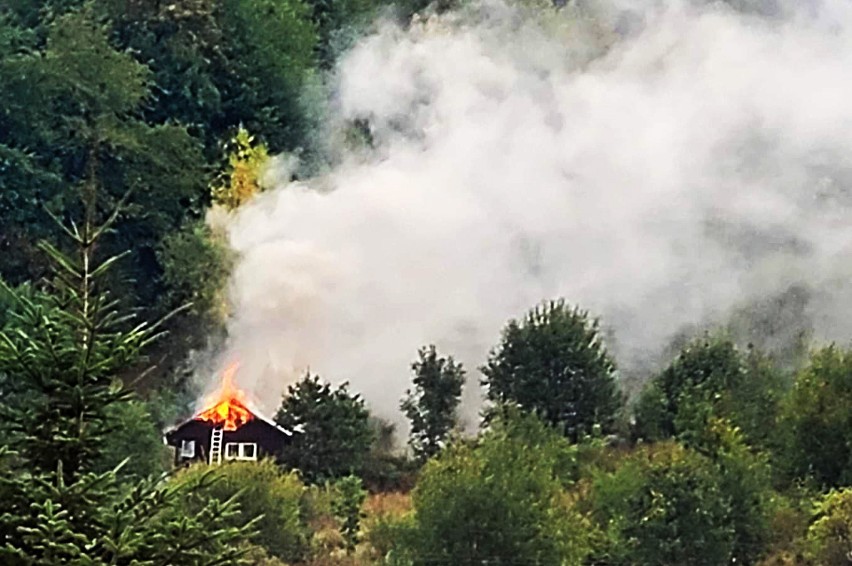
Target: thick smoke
column 661, row 168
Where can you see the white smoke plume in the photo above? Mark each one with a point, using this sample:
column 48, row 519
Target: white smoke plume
column 659, row 167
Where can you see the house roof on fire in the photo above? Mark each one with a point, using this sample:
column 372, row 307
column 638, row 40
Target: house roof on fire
column 254, row 414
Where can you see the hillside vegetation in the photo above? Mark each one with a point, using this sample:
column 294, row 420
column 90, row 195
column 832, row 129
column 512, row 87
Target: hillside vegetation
column 123, row 124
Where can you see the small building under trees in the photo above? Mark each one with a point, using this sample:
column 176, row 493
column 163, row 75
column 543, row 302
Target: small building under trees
column 197, row 439
column 227, row 430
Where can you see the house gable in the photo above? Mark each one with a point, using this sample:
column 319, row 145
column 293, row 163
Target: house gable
column 192, row 439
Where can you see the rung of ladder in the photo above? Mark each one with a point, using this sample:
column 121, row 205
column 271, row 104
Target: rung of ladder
column 216, row 445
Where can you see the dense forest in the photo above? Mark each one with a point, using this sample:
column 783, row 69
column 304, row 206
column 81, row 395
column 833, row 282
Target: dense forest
column 124, row 124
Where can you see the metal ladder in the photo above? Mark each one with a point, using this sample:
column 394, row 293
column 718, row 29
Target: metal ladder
column 216, row 445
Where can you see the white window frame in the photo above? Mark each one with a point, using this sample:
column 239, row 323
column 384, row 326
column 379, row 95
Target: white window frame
column 187, row 448
column 241, row 451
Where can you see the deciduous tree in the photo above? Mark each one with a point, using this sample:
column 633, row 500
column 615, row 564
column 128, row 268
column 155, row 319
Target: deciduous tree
column 665, row 505
column 498, row 500
column 332, row 429
column 711, row 377
column 817, row 419
column 554, row 363
column 829, row 538
column 431, row 406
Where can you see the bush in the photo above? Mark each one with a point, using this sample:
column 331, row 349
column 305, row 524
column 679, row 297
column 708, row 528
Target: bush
column 349, row 498
column 500, row 499
column 829, row 538
column 788, row 522
column 261, row 488
column 671, row 504
column 665, row 505
column 387, row 519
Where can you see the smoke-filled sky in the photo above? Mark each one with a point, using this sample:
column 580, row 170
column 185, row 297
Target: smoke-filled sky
column 659, row 167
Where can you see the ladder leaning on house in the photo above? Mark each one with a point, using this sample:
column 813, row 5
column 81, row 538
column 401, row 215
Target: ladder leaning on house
column 216, row 445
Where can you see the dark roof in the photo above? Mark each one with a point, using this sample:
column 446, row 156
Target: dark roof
column 254, row 414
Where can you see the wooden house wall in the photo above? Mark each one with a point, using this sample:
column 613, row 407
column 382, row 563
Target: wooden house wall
column 269, row 439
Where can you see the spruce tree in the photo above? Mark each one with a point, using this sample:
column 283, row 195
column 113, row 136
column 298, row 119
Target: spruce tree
column 61, row 354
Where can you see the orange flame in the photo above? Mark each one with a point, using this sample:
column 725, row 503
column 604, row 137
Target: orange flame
column 227, row 406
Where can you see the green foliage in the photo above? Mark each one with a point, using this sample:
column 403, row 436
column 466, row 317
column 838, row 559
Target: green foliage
column 79, row 56
column 70, row 134
column 111, row 97
column 95, row 520
column 710, row 377
column 61, row 353
column 499, row 500
column 23, row 186
column 817, row 419
column 196, row 265
column 754, row 406
column 390, row 537
column 113, row 112
column 182, row 44
column 10, row 298
column 270, row 50
column 133, row 436
column 219, row 64
column 13, row 36
column 388, row 521
column 745, row 479
column 431, row 407
column 666, row 506
column 701, row 372
column 338, row 23
column 554, row 363
column 700, row 399
column 333, row 433
column 385, row 468
column 350, row 495
column 262, row 490
column 829, row 538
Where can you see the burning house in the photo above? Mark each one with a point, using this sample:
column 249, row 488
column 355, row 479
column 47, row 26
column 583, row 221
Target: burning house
column 226, row 430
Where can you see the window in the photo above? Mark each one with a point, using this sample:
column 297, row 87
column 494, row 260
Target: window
column 241, row 451
column 187, row 449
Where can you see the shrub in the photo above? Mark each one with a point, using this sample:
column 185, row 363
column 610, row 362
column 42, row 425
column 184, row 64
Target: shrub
column 261, row 489
column 829, row 538
column 665, row 505
column 387, row 520
column 497, row 500
column 347, row 504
